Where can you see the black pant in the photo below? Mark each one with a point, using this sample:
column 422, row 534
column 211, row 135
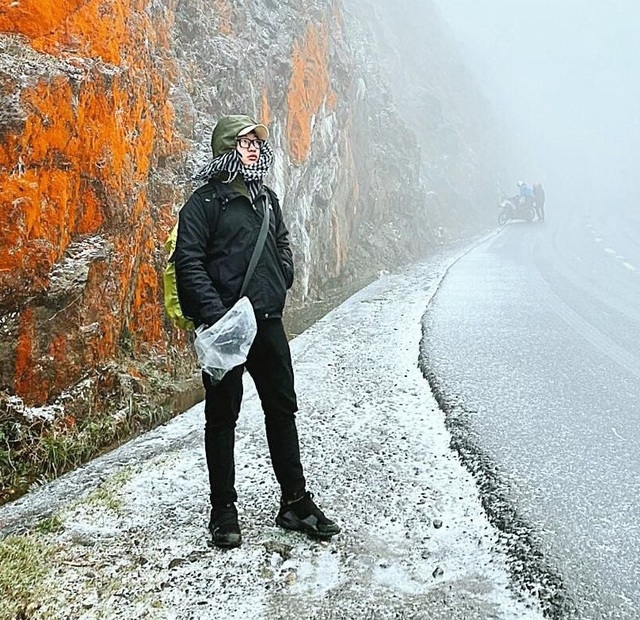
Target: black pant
column 269, row 364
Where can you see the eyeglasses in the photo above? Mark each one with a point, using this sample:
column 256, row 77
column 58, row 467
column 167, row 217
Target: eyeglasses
column 245, row 143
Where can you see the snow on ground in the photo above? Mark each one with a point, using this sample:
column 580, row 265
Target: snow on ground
column 415, row 541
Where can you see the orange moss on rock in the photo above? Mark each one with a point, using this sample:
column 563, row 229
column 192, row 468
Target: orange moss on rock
column 309, row 88
column 226, row 16
column 140, row 282
column 72, row 142
column 147, row 318
column 89, row 28
column 265, row 112
column 24, row 357
column 78, row 164
column 36, row 18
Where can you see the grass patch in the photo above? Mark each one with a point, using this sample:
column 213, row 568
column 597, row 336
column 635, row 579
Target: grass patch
column 106, row 495
column 41, row 450
column 50, row 525
column 29, row 588
column 23, row 564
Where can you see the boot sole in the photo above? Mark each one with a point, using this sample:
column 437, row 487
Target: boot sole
column 229, row 543
column 301, row 526
column 223, row 544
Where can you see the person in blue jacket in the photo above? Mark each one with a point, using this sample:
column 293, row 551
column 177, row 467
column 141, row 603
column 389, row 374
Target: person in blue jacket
column 526, row 194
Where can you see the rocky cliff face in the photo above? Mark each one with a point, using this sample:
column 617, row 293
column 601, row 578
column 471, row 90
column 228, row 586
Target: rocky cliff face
column 458, row 139
column 106, row 110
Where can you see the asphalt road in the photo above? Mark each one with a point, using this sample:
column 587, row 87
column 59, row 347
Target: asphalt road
column 533, row 346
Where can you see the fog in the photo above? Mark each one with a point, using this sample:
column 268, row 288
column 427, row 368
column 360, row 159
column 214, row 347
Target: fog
column 549, row 364
column 564, row 76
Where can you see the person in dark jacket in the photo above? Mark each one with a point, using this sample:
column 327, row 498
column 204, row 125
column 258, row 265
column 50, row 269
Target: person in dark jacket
column 217, row 231
column 538, row 200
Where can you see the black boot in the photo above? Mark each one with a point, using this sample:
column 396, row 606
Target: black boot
column 303, row 515
column 224, row 527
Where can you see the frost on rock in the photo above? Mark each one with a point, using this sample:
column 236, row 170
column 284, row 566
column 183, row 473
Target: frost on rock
column 16, row 409
column 72, row 271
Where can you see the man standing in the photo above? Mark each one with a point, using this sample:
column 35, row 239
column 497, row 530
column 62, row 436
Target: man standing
column 217, row 232
column 538, row 200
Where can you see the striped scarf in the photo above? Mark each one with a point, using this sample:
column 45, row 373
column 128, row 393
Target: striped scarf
column 231, row 164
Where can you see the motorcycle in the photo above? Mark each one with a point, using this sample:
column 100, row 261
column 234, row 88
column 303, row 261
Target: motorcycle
column 515, row 208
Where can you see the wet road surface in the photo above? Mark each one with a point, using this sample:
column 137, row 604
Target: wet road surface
column 533, row 345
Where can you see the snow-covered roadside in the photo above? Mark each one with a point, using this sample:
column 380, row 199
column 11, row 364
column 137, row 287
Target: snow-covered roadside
column 415, row 542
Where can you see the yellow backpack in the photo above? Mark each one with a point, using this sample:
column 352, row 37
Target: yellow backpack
column 171, row 301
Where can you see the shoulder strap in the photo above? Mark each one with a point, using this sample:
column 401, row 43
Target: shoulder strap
column 209, row 189
column 272, row 195
column 257, row 250
column 219, row 199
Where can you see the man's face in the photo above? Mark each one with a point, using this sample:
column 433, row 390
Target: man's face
column 249, row 147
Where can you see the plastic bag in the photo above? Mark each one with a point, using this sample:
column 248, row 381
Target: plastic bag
column 225, row 344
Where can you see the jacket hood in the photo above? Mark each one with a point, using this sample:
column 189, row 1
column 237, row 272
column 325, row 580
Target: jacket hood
column 228, row 128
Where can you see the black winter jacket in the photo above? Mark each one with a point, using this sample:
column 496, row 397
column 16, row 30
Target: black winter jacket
column 217, row 231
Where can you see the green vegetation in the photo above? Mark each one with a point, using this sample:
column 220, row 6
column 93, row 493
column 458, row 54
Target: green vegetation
column 41, row 450
column 106, row 495
column 50, row 525
column 23, row 564
column 27, row 559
